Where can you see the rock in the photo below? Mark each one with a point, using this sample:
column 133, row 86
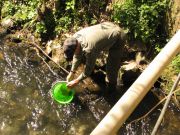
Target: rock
column 48, row 47
column 33, row 58
column 97, row 104
column 136, row 46
column 1, row 55
column 130, row 65
column 16, row 39
column 3, row 32
column 129, row 73
column 55, row 49
column 8, row 23
column 130, row 76
column 88, row 83
column 140, row 58
column 57, row 55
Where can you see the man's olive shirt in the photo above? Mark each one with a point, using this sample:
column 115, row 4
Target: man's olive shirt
column 93, row 40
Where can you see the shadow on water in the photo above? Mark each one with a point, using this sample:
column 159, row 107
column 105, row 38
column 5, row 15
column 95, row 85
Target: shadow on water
column 26, row 107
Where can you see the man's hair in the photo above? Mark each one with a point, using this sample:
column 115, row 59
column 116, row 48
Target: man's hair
column 69, row 48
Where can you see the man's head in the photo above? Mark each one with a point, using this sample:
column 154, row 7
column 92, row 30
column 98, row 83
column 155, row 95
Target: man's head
column 69, row 48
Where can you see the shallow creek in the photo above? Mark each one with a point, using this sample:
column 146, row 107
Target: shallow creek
column 26, row 107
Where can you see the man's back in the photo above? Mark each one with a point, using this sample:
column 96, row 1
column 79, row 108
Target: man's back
column 99, row 37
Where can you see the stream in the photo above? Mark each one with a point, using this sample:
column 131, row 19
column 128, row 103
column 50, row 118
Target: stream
column 26, row 106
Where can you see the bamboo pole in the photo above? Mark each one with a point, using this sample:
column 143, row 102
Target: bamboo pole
column 128, row 102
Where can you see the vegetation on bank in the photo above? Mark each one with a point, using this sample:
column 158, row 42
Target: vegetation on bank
column 50, row 19
column 142, row 19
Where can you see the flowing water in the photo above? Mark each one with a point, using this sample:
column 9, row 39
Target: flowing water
column 26, row 107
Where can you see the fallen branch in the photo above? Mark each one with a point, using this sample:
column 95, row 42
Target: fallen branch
column 48, row 56
column 176, row 101
column 140, row 118
column 37, row 51
column 165, row 106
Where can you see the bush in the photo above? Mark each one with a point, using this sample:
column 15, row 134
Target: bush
column 170, row 73
column 19, row 12
column 47, row 18
column 8, row 9
column 142, row 19
column 176, row 64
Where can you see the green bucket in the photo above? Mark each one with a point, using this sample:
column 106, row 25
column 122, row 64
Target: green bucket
column 61, row 93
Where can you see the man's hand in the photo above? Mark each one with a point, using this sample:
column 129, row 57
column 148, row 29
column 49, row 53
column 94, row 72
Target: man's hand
column 70, row 76
column 72, row 83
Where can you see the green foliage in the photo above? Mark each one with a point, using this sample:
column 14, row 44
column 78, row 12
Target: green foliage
column 64, row 19
column 74, row 14
column 126, row 15
column 93, row 21
column 8, row 9
column 170, row 73
column 53, row 17
column 176, row 64
column 24, row 14
column 20, row 12
column 70, row 4
column 47, row 18
column 40, row 28
column 63, row 24
column 143, row 19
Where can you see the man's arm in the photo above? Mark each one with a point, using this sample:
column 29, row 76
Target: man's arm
column 89, row 66
column 76, row 62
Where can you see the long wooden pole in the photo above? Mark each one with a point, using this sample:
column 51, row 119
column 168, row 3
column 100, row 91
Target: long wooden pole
column 128, row 102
